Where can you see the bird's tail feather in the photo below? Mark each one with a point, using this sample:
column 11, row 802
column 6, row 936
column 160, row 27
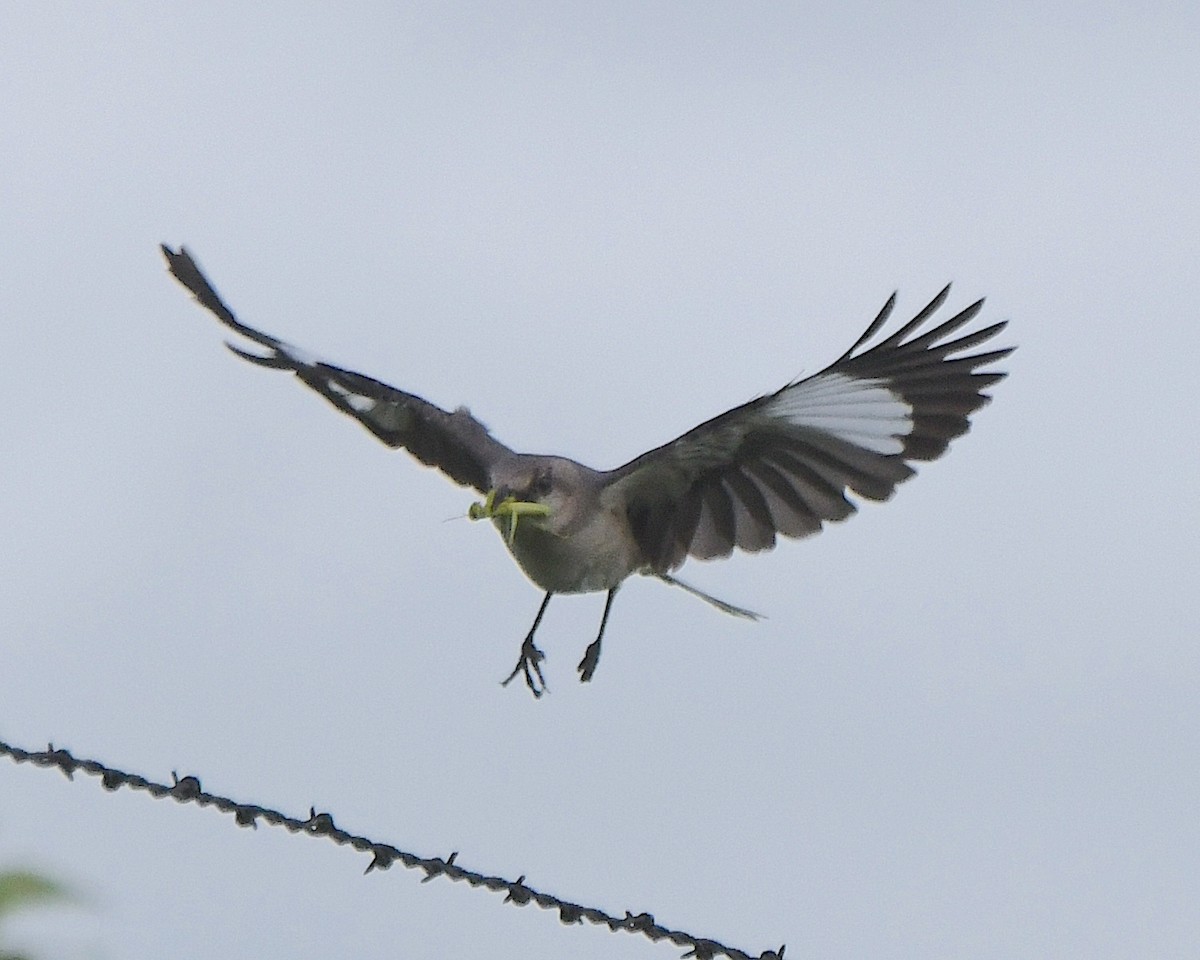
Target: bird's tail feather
column 709, row 598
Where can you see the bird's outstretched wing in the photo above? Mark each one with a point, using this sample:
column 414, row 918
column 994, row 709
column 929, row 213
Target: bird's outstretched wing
column 782, row 463
column 455, row 443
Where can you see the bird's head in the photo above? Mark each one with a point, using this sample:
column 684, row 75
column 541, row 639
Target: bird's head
column 530, row 490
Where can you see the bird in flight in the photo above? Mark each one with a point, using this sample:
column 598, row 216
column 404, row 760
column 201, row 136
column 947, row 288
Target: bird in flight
column 780, row 464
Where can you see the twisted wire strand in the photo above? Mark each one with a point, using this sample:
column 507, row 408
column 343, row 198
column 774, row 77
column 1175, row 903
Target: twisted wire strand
column 188, row 790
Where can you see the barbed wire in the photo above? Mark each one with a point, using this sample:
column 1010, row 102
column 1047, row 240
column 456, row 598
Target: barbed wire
column 187, row 790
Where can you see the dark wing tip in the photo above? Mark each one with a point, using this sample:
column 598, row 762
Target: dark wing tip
column 183, row 267
column 275, row 360
column 880, row 319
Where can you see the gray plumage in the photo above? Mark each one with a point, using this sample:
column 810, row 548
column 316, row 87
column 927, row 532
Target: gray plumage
column 781, row 464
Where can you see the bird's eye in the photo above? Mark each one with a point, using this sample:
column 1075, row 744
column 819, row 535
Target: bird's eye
column 541, row 484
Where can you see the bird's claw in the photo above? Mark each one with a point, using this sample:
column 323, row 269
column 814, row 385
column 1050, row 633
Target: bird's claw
column 591, row 658
column 530, row 664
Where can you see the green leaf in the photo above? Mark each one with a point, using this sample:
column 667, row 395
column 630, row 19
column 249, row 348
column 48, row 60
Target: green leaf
column 21, row 888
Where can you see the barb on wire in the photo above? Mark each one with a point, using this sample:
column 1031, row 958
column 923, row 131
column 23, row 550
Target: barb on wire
column 188, row 790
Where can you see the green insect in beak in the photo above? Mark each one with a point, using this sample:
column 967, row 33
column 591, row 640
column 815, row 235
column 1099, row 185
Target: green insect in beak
column 510, row 509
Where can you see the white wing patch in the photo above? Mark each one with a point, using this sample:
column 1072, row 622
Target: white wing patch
column 357, row 401
column 361, row 404
column 863, row 412
column 298, row 354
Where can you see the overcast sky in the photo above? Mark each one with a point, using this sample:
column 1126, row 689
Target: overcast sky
column 969, row 726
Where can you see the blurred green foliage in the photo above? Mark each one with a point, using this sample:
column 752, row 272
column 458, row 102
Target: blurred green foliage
column 20, row 889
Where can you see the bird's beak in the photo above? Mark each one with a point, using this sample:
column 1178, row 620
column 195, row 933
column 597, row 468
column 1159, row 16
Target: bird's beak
column 509, row 509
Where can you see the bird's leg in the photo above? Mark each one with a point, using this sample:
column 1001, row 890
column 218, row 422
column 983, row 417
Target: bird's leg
column 591, row 656
column 531, row 657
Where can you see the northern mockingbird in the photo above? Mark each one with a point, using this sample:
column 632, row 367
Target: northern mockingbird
column 780, row 464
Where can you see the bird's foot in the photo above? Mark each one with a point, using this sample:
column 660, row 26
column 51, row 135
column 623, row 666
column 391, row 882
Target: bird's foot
column 530, row 664
column 591, row 657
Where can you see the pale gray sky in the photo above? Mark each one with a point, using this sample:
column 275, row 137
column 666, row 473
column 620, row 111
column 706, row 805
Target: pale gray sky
column 969, row 727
